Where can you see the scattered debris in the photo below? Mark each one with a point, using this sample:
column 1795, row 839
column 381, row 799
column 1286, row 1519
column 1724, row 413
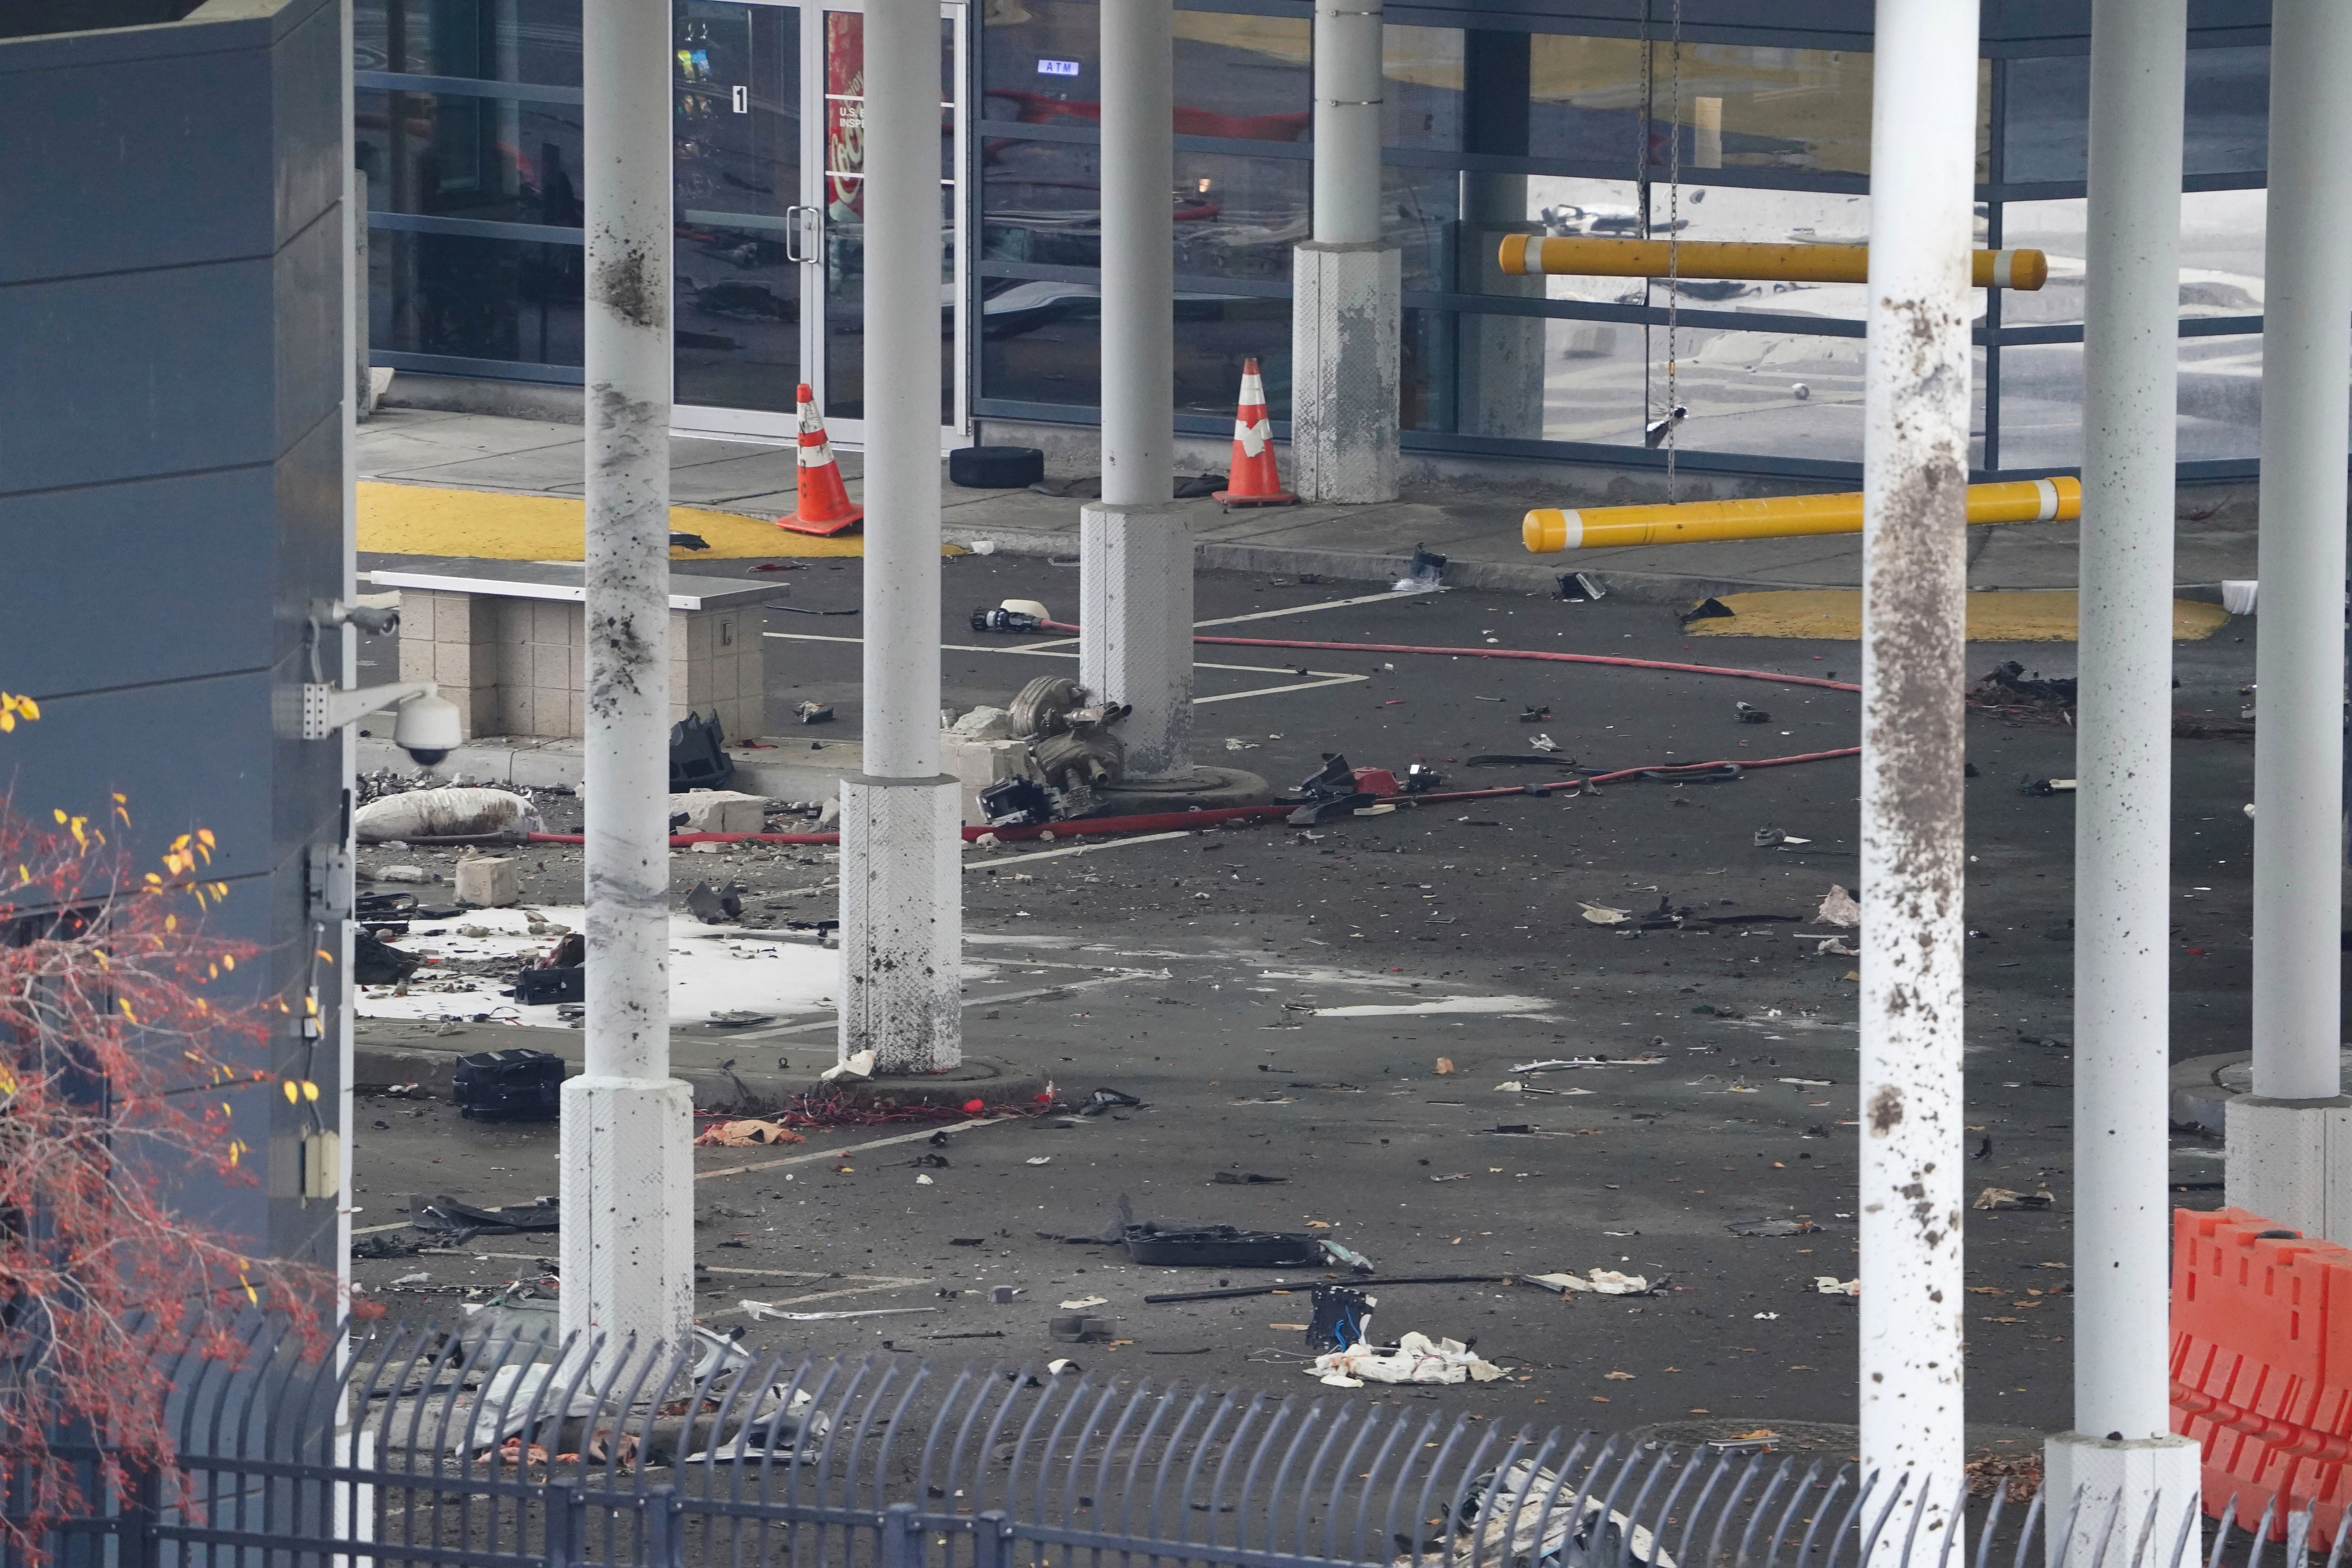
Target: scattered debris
column 1708, row 609
column 1237, row 1292
column 745, row 1134
column 1772, row 1228
column 2019, row 1474
column 855, row 1069
column 1830, row 1285
column 718, row 811
column 488, row 881
column 1078, row 1327
column 715, row 906
column 1750, row 714
column 1423, row 575
column 1015, row 802
column 520, row 1085
column 1343, row 1319
column 1544, row 744
column 459, row 1223
column 1602, row 915
column 375, row 962
column 1005, row 618
column 2003, row 1199
column 813, row 712
column 442, row 814
column 1416, row 1359
column 1245, row 1179
column 697, row 754
column 2006, row 685
column 1081, row 1303
column 1598, row 1281
column 2028, row 785
column 1107, row 1100
column 1767, row 837
column 1839, row 908
column 1444, row 1067
column 1533, row 1517
column 758, row 1309
column 1578, row 586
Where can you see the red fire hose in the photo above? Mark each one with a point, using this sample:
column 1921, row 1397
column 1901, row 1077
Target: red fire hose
column 1176, row 821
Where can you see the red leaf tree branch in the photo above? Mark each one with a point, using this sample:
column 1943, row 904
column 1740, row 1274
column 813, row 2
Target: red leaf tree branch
column 124, row 1027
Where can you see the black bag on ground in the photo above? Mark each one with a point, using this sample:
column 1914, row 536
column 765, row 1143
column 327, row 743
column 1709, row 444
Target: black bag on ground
column 508, row 1086
column 551, row 982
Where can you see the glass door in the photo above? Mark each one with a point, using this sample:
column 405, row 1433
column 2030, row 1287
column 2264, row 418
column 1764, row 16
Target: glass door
column 737, row 213
column 771, row 177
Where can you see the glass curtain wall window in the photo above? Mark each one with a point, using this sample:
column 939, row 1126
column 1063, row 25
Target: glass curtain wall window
column 1496, row 123
column 469, row 128
column 1514, row 123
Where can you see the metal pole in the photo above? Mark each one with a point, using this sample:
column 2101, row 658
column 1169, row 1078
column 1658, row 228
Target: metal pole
column 2289, row 1139
column 1915, row 480
column 1346, row 281
column 1347, row 93
column 628, row 1209
column 1135, row 550
column 347, row 649
column 901, row 897
column 2122, row 1448
column 1139, row 260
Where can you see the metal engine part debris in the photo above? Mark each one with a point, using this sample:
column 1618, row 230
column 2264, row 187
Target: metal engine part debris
column 1043, row 707
column 1088, row 754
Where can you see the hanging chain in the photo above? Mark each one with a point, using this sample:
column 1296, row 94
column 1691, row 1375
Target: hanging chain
column 1674, row 245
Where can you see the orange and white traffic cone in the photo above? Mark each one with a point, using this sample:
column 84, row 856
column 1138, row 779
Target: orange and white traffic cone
column 823, row 506
column 1255, row 480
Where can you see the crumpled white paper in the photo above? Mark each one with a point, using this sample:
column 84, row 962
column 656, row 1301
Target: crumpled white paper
column 1416, row 1359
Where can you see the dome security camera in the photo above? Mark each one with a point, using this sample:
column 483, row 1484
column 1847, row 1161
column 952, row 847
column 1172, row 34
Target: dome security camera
column 427, row 728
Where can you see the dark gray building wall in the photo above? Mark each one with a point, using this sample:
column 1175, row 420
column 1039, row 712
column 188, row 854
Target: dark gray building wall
column 170, row 481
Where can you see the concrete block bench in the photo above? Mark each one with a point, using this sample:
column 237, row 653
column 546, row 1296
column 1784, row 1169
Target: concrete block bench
column 507, row 642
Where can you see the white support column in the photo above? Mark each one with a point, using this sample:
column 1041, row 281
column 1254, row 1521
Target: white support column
column 1914, row 477
column 1135, row 549
column 627, row 1188
column 1345, row 307
column 2289, row 1142
column 2122, row 1444
column 901, row 892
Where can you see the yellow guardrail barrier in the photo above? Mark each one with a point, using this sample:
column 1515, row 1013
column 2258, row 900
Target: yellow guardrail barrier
column 1577, row 255
column 1549, row 530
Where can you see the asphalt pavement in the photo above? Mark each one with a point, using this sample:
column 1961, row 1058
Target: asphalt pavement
column 1339, row 1007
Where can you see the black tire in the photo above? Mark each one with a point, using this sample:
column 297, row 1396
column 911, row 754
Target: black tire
column 996, row 467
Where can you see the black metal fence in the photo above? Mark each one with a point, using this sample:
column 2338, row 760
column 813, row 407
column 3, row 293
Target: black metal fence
column 497, row 1446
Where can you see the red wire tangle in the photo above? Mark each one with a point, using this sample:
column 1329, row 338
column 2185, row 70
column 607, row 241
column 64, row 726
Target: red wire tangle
column 134, row 1069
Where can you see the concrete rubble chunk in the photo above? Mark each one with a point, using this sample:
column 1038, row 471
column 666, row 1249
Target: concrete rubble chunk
column 720, row 811
column 488, row 880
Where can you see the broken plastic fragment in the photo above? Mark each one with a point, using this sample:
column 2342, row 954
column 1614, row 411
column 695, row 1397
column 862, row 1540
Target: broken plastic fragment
column 855, row 1069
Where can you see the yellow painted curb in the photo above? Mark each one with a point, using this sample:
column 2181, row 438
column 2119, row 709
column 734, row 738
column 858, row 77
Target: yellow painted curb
column 498, row 525
column 1835, row 615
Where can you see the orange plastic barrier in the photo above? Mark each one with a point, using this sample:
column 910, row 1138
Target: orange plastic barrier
column 2262, row 1365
